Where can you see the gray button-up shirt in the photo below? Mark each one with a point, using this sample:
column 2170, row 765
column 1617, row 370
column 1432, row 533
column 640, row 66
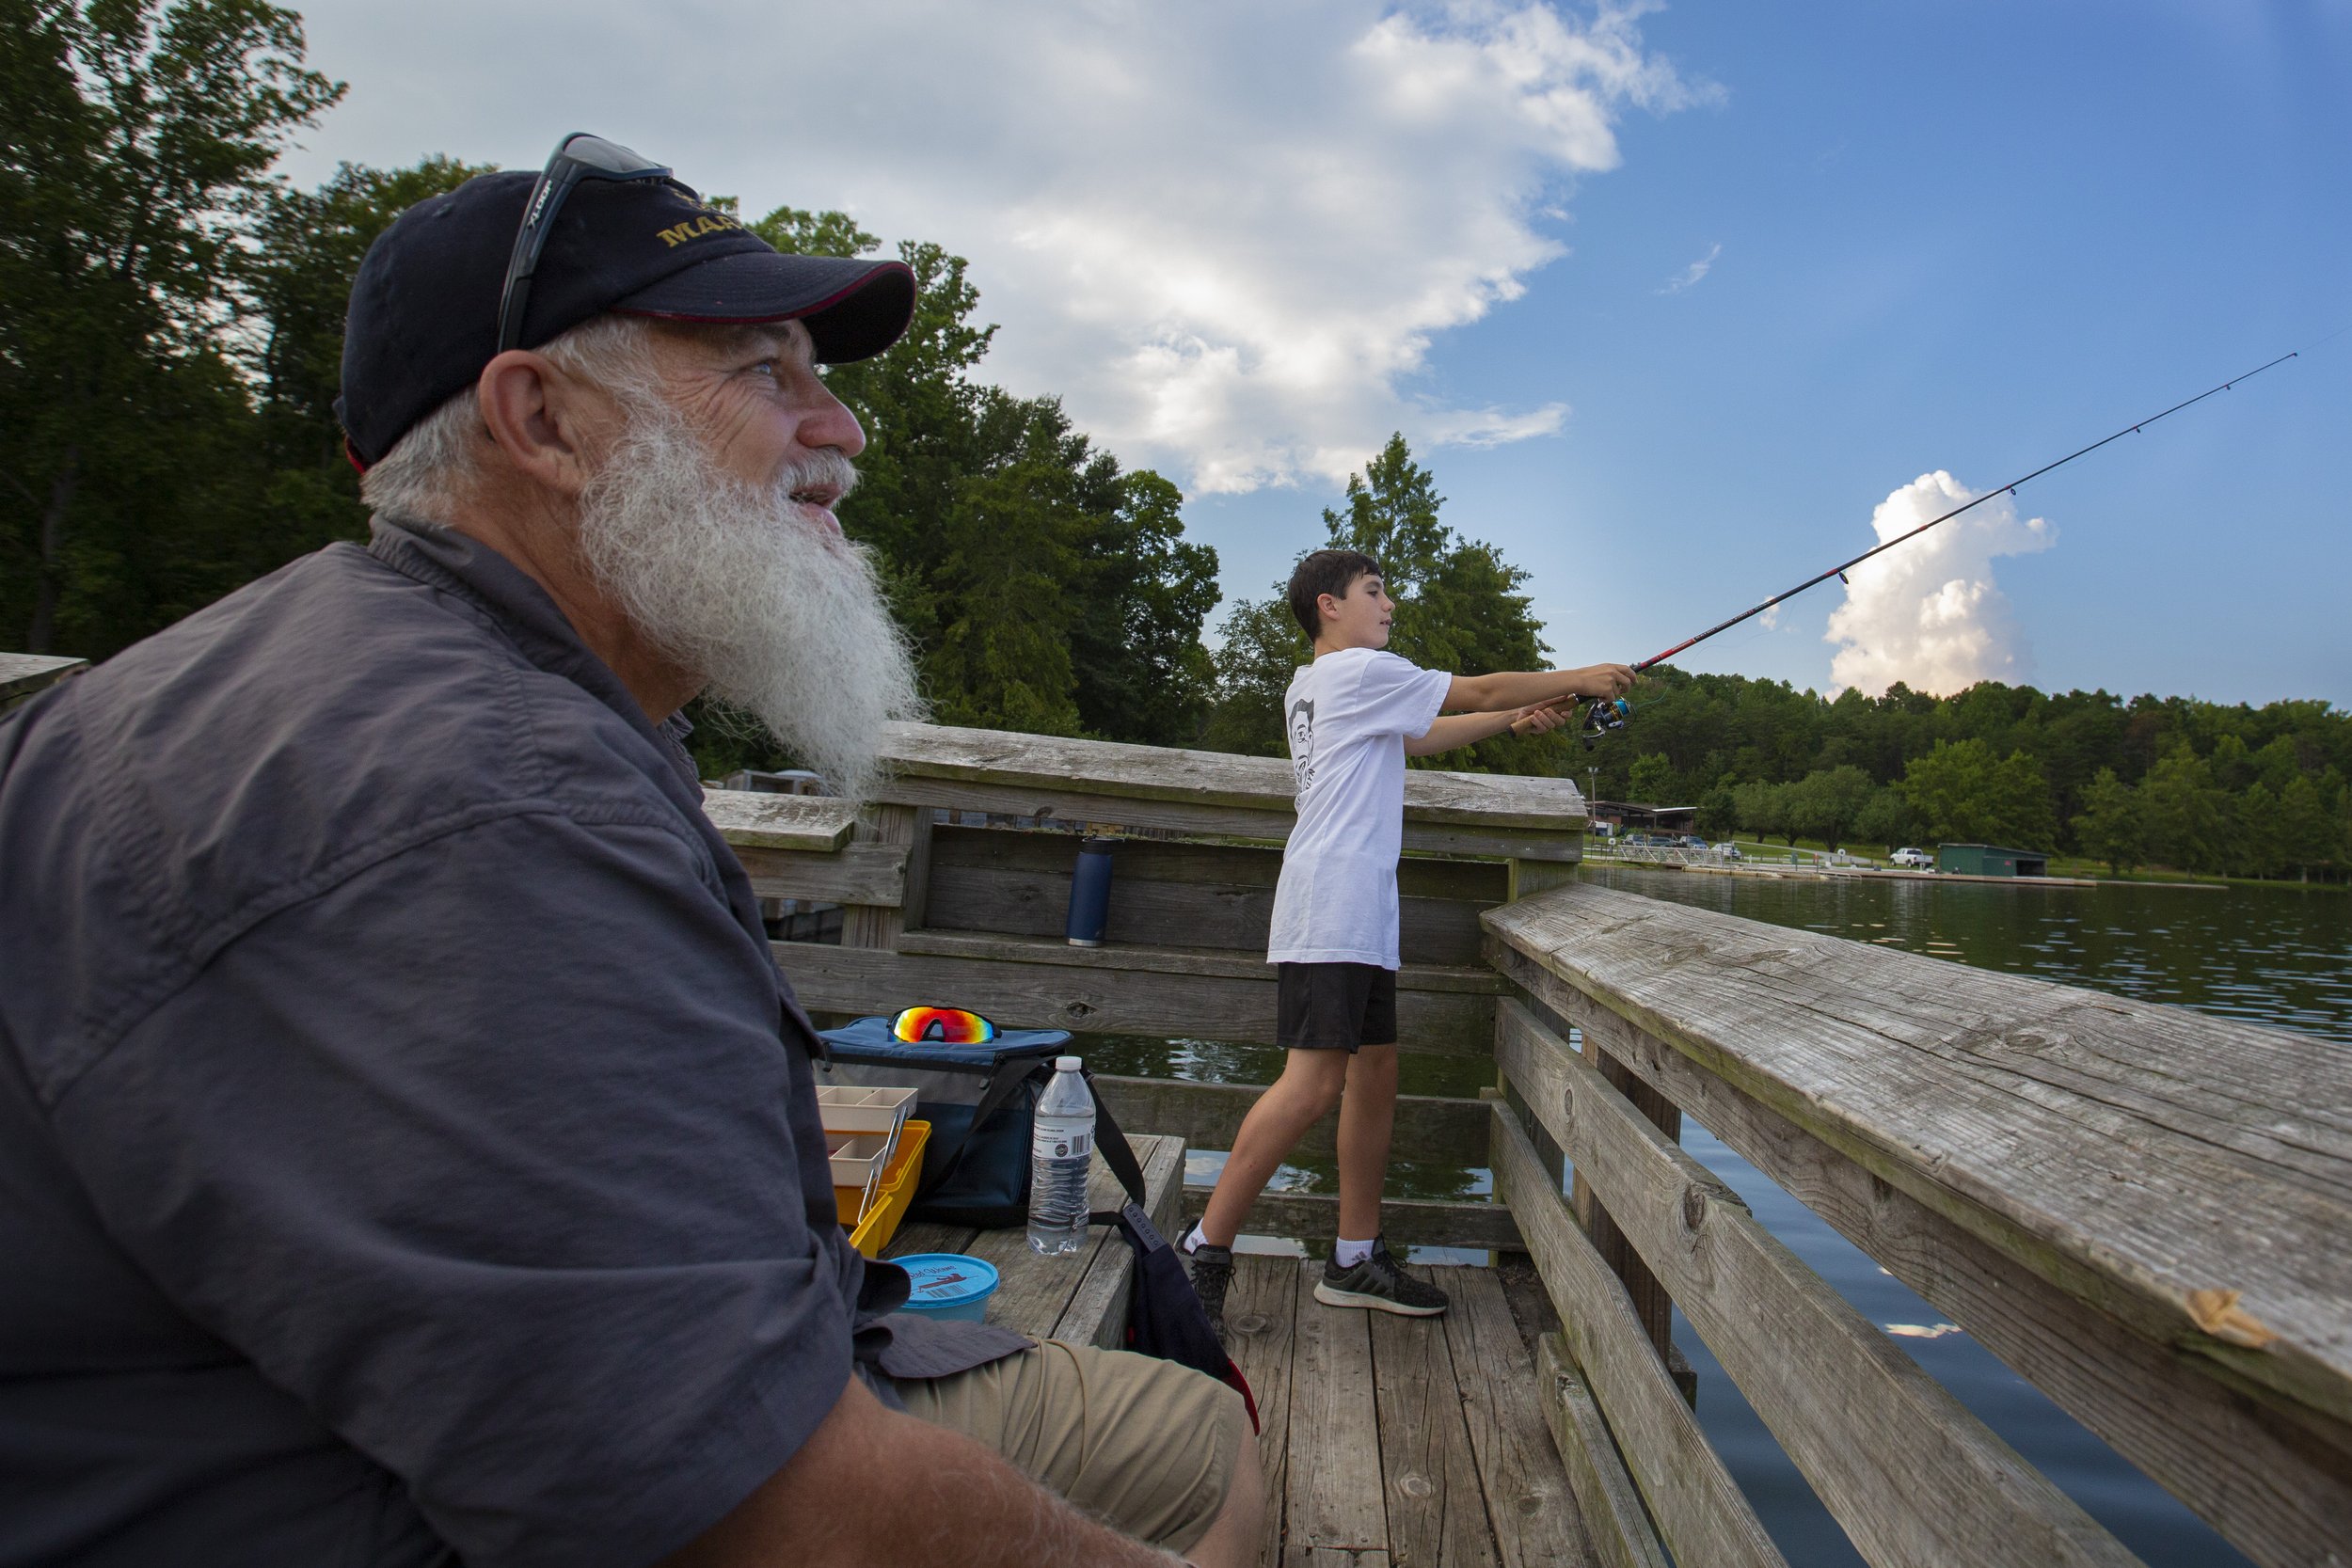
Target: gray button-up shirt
column 407, row 1147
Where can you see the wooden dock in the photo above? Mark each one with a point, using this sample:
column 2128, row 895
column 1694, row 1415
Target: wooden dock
column 1384, row 1441
column 2145, row 1211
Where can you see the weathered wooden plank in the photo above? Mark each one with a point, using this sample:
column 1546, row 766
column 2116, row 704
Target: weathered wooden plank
column 1699, row 1509
column 818, row 824
column 929, row 1236
column 1104, row 996
column 1097, row 1313
column 1046, row 800
column 1528, row 1500
column 2191, row 1176
column 1260, row 1311
column 1313, row 1218
column 2247, row 1469
column 1144, row 911
column 1530, row 878
column 23, row 676
column 1335, row 1499
column 1475, row 979
column 1651, row 1302
column 1339, row 1557
column 1609, row 1503
column 1912, row 1476
column 1432, row 1127
column 1219, row 777
column 857, row 873
column 1436, row 1515
column 1005, row 848
column 885, row 827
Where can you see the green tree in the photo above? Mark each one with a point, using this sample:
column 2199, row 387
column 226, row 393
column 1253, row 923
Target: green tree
column 311, row 244
column 2111, row 827
column 1261, row 648
column 1763, row 809
column 138, row 144
column 1826, row 804
column 1951, row 791
column 2308, row 836
column 1652, row 780
column 2191, row 823
column 1719, row 808
column 1885, row 818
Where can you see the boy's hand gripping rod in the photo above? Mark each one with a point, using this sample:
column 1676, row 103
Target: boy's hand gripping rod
column 1609, row 713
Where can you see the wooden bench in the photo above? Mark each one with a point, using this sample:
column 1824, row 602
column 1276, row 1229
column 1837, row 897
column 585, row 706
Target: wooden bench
column 1081, row 1299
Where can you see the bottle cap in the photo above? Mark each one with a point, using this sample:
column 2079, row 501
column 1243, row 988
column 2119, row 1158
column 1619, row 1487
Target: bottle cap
column 1065, row 1064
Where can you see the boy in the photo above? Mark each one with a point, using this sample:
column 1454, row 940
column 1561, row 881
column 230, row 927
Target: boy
column 1353, row 716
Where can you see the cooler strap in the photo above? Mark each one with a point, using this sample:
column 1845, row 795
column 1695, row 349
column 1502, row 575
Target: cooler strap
column 1002, row 1085
column 1117, row 1152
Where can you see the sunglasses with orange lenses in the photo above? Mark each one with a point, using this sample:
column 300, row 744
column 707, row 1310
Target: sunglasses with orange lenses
column 942, row 1026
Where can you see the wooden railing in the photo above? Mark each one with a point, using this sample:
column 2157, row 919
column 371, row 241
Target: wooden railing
column 2145, row 1211
column 25, row 676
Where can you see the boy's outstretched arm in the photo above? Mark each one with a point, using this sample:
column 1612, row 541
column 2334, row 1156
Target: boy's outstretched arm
column 1464, row 729
column 1518, row 689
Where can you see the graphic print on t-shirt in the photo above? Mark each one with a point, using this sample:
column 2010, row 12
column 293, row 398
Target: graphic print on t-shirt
column 1302, row 723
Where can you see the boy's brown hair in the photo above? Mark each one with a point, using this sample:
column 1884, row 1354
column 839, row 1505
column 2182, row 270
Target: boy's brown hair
column 1331, row 572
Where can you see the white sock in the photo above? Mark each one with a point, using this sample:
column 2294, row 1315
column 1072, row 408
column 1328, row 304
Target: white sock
column 1192, row 1242
column 1349, row 1253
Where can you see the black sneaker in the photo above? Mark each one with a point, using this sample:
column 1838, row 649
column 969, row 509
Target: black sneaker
column 1212, row 1272
column 1381, row 1283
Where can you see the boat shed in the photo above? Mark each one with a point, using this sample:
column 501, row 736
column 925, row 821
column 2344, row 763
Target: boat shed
column 1990, row 860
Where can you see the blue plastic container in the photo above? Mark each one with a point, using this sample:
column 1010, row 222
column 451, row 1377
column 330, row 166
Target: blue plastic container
column 948, row 1285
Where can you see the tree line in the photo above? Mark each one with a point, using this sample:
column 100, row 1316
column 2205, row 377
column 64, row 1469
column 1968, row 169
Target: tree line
column 2148, row 781
column 171, row 317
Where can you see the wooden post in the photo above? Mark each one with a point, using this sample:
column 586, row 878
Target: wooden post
column 880, row 924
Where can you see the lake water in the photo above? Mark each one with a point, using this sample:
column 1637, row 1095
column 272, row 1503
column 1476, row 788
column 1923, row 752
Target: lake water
column 2281, row 957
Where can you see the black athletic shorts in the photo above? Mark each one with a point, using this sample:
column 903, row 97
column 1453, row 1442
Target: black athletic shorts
column 1334, row 1006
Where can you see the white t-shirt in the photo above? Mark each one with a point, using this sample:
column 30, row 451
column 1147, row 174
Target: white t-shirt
column 1348, row 714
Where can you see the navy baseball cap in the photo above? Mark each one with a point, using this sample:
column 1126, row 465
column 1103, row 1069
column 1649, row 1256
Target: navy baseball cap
column 425, row 307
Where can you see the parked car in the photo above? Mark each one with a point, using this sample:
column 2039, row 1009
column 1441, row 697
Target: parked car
column 1914, row 860
column 1693, row 841
column 1729, row 850
column 1639, row 840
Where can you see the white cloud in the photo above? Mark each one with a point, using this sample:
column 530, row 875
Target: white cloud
column 1227, row 233
column 1927, row 612
column 1690, row 274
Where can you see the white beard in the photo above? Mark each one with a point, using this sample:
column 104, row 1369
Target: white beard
column 732, row 580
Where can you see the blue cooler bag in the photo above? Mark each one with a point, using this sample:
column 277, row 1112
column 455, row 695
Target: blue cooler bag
column 972, row 1175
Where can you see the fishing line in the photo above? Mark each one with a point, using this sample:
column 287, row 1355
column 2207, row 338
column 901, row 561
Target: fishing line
column 2009, row 489
column 1607, row 714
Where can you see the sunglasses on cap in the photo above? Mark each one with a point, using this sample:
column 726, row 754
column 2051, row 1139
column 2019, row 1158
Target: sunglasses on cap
column 577, row 157
column 942, row 1026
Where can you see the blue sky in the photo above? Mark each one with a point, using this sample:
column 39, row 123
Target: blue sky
column 1669, row 299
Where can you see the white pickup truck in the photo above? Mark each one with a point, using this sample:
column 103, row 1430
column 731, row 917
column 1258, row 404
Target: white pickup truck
column 1913, row 860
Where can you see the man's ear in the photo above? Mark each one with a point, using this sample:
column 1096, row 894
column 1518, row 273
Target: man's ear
column 541, row 417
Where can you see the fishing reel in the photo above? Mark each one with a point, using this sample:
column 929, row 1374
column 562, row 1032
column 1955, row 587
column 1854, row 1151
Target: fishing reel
column 1605, row 717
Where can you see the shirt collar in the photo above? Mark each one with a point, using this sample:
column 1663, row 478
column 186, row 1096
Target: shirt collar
column 461, row 564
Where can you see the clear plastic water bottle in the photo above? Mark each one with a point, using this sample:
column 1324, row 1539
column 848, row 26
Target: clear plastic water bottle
column 1060, row 1150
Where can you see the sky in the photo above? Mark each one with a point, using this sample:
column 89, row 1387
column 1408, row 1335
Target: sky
column 1681, row 304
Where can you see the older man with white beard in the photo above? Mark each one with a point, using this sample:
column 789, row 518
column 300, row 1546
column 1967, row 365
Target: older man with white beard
column 408, row 1152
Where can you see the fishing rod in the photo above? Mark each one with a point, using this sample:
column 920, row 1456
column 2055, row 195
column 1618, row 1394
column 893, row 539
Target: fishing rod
column 1608, row 714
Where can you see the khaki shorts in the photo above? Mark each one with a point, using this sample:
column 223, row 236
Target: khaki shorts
column 1144, row 1444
